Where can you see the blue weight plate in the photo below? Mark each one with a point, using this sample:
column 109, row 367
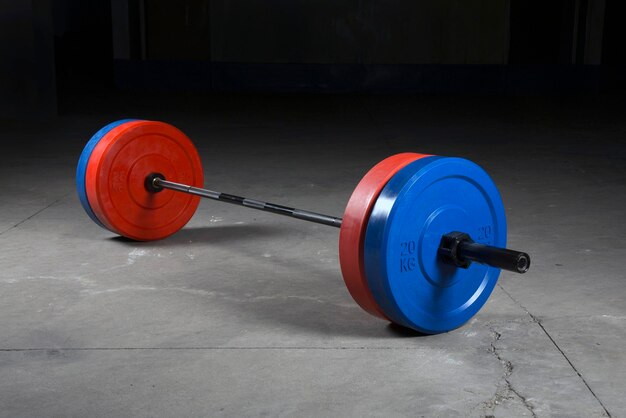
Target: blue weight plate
column 81, row 169
column 425, row 200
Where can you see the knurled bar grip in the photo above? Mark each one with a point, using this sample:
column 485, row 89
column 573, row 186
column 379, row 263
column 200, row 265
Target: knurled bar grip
column 158, row 182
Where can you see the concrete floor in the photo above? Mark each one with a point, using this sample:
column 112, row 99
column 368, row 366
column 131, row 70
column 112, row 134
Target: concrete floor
column 245, row 313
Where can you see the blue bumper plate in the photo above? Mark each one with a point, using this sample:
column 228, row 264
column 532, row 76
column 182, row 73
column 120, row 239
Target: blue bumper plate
column 425, row 200
column 81, row 169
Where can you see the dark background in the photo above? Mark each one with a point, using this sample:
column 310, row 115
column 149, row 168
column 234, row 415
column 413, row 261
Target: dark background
column 53, row 50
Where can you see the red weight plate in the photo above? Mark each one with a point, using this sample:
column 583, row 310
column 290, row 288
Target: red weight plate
column 118, row 167
column 354, row 226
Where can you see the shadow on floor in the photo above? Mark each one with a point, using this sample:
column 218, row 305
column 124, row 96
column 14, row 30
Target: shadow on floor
column 208, row 235
column 302, row 293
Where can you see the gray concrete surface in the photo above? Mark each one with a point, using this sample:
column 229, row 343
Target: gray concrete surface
column 245, row 314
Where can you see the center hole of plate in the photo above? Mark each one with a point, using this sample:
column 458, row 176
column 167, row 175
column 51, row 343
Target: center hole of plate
column 439, row 223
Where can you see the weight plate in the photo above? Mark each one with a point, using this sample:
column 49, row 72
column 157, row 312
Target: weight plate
column 426, row 199
column 118, row 167
column 354, row 225
column 81, row 168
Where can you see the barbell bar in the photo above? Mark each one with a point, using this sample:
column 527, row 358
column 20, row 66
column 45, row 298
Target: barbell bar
column 411, row 233
column 155, row 182
column 457, row 248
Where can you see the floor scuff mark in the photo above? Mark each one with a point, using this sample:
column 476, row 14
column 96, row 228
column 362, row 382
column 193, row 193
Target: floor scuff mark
column 134, row 255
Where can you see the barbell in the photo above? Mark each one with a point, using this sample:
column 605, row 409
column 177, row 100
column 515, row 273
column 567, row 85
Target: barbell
column 421, row 242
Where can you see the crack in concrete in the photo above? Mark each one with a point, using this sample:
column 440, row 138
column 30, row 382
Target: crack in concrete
column 504, row 391
column 538, row 322
column 35, row 214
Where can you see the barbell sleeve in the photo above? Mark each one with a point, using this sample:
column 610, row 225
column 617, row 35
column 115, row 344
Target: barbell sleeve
column 458, row 248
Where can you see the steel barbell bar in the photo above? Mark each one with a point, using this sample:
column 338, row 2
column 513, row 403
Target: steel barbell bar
column 460, row 253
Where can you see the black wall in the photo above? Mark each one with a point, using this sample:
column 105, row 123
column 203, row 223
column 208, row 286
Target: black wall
column 58, row 47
